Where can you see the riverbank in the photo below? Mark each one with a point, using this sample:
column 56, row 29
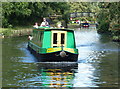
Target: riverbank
column 23, row 31
column 73, row 25
column 13, row 32
column 115, row 35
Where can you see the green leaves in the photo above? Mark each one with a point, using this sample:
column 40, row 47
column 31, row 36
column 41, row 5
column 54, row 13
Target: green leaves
column 108, row 16
column 83, row 6
column 18, row 8
column 22, row 13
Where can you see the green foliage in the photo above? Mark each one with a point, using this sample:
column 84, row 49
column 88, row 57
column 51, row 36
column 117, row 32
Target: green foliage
column 25, row 13
column 14, row 13
column 115, row 32
column 103, row 21
column 116, row 38
column 103, row 27
column 108, row 17
column 83, row 7
column 114, row 11
column 7, row 32
column 116, row 26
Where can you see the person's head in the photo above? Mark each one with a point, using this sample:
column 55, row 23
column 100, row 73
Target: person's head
column 44, row 19
column 36, row 23
column 59, row 25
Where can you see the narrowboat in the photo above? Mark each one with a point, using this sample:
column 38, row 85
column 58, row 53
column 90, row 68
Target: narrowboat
column 53, row 44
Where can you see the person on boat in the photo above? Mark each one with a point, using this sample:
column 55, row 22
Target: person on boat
column 59, row 25
column 36, row 25
column 44, row 23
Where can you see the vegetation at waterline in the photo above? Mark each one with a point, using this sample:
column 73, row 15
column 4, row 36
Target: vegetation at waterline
column 17, row 31
column 109, row 19
column 27, row 13
column 22, row 14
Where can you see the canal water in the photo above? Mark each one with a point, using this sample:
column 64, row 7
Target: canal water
column 97, row 64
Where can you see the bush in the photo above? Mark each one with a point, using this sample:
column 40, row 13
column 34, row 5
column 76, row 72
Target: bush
column 116, row 38
column 7, row 33
column 116, row 26
column 103, row 27
column 115, row 32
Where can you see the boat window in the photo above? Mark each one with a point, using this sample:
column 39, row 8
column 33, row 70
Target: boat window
column 54, row 46
column 54, row 38
column 62, row 38
column 40, row 36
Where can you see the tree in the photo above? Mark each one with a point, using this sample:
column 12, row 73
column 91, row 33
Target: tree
column 24, row 13
column 108, row 16
column 15, row 12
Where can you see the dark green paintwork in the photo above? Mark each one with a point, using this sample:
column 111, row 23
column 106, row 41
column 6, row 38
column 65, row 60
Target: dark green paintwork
column 37, row 48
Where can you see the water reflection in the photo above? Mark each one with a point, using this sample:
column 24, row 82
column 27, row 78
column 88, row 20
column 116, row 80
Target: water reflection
column 100, row 55
column 52, row 75
column 58, row 77
column 97, row 64
column 85, row 76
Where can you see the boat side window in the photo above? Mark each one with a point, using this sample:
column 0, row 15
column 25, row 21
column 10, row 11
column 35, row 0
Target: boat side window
column 40, row 36
column 54, row 38
column 34, row 36
column 62, row 38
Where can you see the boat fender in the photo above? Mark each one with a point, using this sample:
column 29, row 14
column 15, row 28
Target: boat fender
column 62, row 54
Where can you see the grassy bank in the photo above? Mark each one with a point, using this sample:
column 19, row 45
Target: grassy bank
column 16, row 31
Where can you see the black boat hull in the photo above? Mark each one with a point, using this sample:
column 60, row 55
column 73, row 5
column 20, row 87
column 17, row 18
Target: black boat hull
column 52, row 57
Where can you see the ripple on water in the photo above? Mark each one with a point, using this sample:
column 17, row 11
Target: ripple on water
column 96, row 66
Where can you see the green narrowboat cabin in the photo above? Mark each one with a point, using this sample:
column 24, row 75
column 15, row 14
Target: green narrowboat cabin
column 53, row 44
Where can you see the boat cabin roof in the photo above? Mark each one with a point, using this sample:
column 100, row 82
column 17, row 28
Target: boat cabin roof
column 52, row 28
